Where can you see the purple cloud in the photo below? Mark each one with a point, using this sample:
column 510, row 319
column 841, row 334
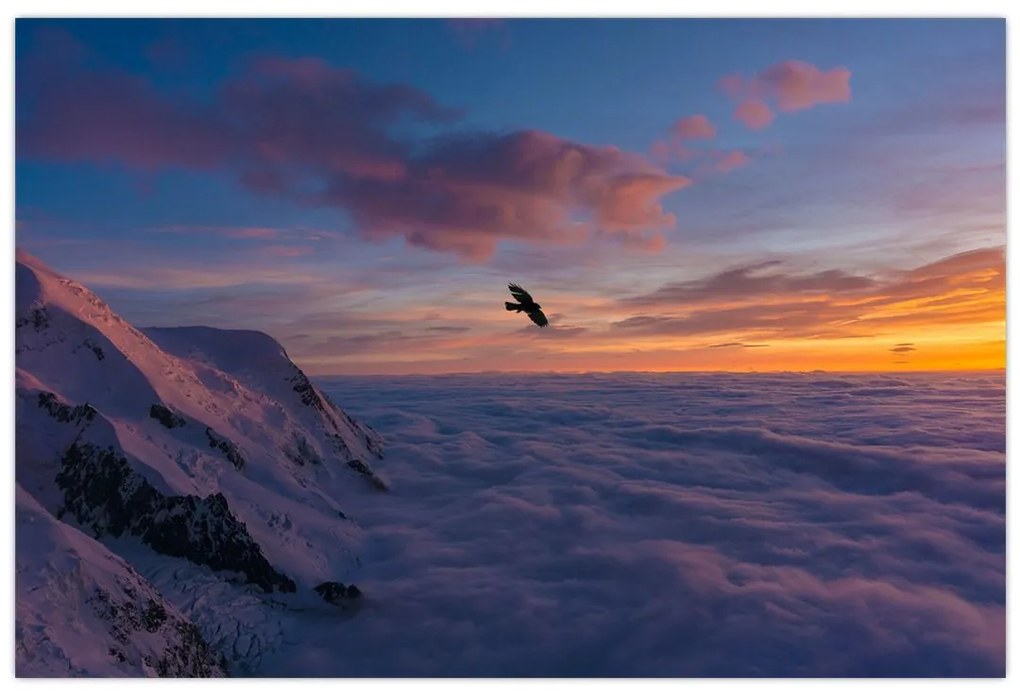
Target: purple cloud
column 318, row 134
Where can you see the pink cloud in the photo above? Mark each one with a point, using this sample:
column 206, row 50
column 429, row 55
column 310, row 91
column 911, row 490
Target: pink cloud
column 292, row 126
column 755, row 114
column 791, row 85
column 797, row 85
column 631, row 201
column 470, row 192
column 728, row 161
column 666, row 151
column 694, row 127
column 674, row 148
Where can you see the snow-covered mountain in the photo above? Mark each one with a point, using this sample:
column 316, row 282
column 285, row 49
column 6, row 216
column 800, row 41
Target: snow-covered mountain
column 173, row 485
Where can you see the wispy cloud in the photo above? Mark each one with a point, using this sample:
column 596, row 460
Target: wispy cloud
column 765, row 302
column 742, row 345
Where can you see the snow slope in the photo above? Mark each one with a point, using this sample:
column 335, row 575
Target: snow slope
column 81, row 610
column 181, row 447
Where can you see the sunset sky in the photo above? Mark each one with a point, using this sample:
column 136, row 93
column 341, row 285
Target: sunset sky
column 677, row 194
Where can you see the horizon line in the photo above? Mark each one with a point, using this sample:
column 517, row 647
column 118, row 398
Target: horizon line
column 817, row 371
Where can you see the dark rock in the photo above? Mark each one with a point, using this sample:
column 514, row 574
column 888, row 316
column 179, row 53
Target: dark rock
column 36, row 317
column 226, row 446
column 303, row 386
column 65, row 413
column 337, row 593
column 364, row 470
column 103, row 493
column 155, row 615
column 166, row 416
column 302, row 453
column 96, row 349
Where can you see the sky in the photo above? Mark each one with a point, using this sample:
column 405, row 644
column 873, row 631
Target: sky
column 677, row 194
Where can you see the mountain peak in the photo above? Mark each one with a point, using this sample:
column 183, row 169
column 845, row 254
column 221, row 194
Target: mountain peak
column 207, row 447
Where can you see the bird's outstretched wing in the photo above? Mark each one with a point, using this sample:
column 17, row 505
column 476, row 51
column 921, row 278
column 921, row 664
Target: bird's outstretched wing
column 520, row 294
column 538, row 317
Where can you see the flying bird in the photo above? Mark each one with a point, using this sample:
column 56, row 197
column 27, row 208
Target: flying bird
column 526, row 304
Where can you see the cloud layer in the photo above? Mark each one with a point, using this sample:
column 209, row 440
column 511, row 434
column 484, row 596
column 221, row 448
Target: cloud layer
column 677, row 525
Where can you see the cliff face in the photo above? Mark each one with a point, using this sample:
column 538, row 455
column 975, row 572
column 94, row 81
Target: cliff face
column 195, row 445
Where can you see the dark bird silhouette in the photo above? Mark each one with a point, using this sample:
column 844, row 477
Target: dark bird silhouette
column 526, row 304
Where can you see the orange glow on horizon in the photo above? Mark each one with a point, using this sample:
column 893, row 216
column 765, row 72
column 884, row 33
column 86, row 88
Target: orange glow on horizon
column 945, row 316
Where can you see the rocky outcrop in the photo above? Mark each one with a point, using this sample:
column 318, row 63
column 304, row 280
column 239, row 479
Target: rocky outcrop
column 166, row 416
column 370, row 476
column 301, row 453
column 337, row 593
column 103, row 493
column 226, row 446
column 36, row 317
column 309, row 397
column 65, row 413
column 94, row 348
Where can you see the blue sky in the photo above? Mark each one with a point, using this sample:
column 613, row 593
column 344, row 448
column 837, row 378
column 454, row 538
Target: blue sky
column 885, row 154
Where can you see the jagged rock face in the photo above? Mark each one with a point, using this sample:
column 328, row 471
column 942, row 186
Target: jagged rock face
column 103, row 493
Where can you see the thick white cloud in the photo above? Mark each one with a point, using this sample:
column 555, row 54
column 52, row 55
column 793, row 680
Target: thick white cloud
column 677, row 525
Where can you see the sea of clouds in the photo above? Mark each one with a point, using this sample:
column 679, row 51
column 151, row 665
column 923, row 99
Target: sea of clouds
column 676, row 525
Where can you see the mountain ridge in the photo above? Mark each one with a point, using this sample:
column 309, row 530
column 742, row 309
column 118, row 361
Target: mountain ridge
column 180, row 444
